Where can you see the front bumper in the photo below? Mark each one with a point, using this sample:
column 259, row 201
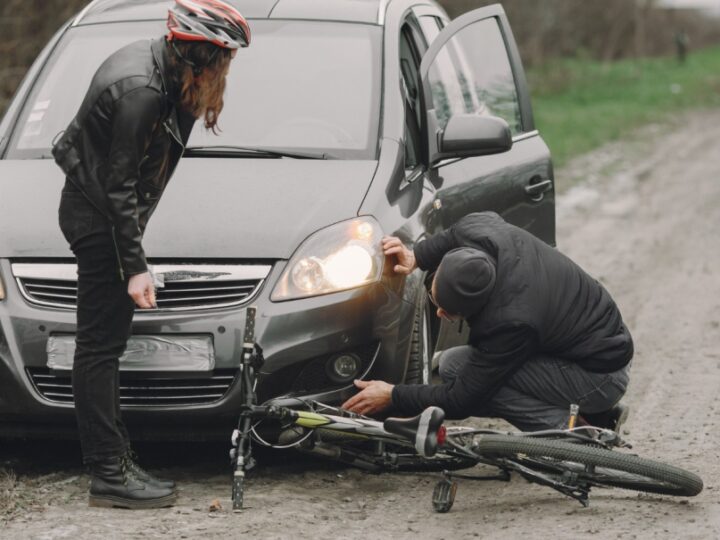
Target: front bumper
column 297, row 336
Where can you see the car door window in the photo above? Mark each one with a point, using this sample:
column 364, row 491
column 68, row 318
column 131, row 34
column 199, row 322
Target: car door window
column 431, row 27
column 409, row 66
column 472, row 74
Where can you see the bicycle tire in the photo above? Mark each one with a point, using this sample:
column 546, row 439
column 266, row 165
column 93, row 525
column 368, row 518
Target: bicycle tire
column 616, row 469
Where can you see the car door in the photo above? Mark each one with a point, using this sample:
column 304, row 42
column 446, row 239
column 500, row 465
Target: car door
column 473, row 67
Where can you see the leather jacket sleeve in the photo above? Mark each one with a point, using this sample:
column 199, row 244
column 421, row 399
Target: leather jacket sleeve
column 135, row 117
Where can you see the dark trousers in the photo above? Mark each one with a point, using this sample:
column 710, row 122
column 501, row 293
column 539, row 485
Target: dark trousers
column 538, row 395
column 104, row 317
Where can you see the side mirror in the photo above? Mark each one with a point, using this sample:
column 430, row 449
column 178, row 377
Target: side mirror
column 468, row 135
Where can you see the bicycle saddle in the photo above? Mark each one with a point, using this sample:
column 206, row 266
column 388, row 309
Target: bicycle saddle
column 425, row 430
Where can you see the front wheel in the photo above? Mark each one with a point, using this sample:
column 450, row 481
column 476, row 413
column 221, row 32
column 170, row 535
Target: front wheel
column 590, row 465
column 419, row 370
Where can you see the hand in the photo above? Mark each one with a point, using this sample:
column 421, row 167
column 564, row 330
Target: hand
column 392, row 245
column 374, row 397
column 142, row 290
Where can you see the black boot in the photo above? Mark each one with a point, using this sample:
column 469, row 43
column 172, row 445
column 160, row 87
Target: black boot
column 612, row 419
column 114, row 485
column 144, row 476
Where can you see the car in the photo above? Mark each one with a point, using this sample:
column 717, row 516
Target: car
column 344, row 121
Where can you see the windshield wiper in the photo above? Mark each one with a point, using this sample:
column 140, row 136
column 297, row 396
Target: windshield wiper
column 248, row 151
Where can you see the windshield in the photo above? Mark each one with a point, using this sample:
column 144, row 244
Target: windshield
column 307, row 86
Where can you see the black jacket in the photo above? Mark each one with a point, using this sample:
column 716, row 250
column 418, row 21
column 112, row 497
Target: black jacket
column 542, row 304
column 124, row 143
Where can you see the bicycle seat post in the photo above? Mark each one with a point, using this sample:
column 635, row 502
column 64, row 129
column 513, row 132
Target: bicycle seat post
column 574, row 411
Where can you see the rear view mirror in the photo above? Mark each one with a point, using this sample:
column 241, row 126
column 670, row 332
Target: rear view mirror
column 468, row 135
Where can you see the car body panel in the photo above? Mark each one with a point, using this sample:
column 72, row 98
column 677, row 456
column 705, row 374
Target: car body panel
column 220, row 198
column 359, row 11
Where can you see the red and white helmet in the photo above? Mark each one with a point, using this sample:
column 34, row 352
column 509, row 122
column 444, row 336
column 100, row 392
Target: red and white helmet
column 208, row 20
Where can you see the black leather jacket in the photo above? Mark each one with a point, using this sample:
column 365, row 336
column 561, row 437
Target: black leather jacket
column 124, row 143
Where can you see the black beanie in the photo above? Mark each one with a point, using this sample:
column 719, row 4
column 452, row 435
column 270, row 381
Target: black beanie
column 464, row 281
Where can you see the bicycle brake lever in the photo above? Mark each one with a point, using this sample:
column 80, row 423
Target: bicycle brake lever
column 257, row 359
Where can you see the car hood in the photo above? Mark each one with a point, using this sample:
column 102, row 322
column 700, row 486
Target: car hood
column 212, row 208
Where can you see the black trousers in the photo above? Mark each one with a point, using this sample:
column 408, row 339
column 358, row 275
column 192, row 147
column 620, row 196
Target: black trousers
column 538, row 395
column 104, row 317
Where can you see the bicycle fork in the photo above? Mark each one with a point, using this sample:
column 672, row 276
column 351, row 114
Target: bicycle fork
column 241, row 452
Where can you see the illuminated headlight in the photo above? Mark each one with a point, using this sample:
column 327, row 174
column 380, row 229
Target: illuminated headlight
column 343, row 256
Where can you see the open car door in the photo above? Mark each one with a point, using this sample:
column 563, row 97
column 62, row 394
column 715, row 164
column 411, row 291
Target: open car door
column 471, row 71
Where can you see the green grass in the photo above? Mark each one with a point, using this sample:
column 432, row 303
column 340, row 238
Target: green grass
column 581, row 104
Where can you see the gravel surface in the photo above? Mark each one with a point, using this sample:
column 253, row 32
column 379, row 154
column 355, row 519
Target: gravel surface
column 644, row 218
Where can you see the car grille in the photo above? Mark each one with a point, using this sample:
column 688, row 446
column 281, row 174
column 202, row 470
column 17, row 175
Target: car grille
column 186, row 287
column 144, row 390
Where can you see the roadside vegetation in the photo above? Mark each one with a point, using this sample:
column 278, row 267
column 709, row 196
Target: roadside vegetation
column 14, row 498
column 580, row 104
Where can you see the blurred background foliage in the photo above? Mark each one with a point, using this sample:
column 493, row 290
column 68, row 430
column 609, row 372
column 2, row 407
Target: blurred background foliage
column 609, row 64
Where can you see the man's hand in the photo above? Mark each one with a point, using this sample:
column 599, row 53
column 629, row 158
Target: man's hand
column 392, row 245
column 374, row 397
column 142, row 290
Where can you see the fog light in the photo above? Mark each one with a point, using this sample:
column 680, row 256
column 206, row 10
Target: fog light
column 344, row 367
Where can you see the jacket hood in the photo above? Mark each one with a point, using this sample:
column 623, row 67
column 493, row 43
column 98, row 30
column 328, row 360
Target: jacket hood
column 213, row 207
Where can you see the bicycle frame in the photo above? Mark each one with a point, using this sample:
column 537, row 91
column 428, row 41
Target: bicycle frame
column 458, row 442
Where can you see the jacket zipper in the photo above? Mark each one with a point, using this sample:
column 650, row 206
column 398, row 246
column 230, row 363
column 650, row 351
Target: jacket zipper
column 170, row 132
column 117, row 254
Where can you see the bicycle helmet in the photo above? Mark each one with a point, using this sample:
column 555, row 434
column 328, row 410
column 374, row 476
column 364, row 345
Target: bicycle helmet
column 213, row 21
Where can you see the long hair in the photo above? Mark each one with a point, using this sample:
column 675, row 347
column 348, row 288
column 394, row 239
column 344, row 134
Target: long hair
column 201, row 95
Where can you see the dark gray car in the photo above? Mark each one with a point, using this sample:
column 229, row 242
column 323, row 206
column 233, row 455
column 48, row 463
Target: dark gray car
column 346, row 120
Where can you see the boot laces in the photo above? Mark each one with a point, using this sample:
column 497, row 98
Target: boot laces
column 130, row 469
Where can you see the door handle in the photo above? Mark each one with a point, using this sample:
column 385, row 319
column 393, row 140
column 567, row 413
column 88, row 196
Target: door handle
column 536, row 188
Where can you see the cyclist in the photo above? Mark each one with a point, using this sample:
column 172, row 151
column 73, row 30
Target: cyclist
column 118, row 154
column 543, row 333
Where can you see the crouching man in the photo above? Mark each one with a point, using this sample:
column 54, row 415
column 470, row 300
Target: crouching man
column 543, row 333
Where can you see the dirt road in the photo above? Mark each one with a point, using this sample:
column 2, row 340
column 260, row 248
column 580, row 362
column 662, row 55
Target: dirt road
column 645, row 220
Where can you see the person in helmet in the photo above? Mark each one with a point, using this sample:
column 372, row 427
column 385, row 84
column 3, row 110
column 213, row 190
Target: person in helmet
column 543, row 333
column 118, row 154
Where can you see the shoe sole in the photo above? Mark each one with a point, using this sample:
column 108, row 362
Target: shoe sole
column 622, row 418
column 108, row 501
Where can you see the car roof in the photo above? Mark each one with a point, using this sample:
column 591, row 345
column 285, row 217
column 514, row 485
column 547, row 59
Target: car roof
column 361, row 11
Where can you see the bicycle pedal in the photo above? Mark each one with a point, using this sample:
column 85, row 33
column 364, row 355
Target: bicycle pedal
column 444, row 495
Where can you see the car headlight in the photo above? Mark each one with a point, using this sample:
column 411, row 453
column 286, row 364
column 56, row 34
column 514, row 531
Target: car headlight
column 343, row 256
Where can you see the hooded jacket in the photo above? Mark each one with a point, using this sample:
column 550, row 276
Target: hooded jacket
column 124, row 143
column 542, row 304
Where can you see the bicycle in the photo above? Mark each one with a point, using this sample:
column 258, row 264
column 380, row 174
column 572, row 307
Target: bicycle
column 571, row 461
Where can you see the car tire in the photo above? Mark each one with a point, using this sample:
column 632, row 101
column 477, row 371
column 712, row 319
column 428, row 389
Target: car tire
column 419, row 369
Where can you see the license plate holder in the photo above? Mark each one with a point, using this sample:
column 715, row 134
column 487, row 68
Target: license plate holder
column 194, row 353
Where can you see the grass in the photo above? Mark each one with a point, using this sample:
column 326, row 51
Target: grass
column 13, row 498
column 581, row 104
column 20, row 496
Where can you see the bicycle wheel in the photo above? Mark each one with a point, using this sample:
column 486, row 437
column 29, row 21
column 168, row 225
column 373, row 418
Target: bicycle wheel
column 607, row 468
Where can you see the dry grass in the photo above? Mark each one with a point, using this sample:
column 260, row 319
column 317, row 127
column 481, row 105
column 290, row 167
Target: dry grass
column 21, row 495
